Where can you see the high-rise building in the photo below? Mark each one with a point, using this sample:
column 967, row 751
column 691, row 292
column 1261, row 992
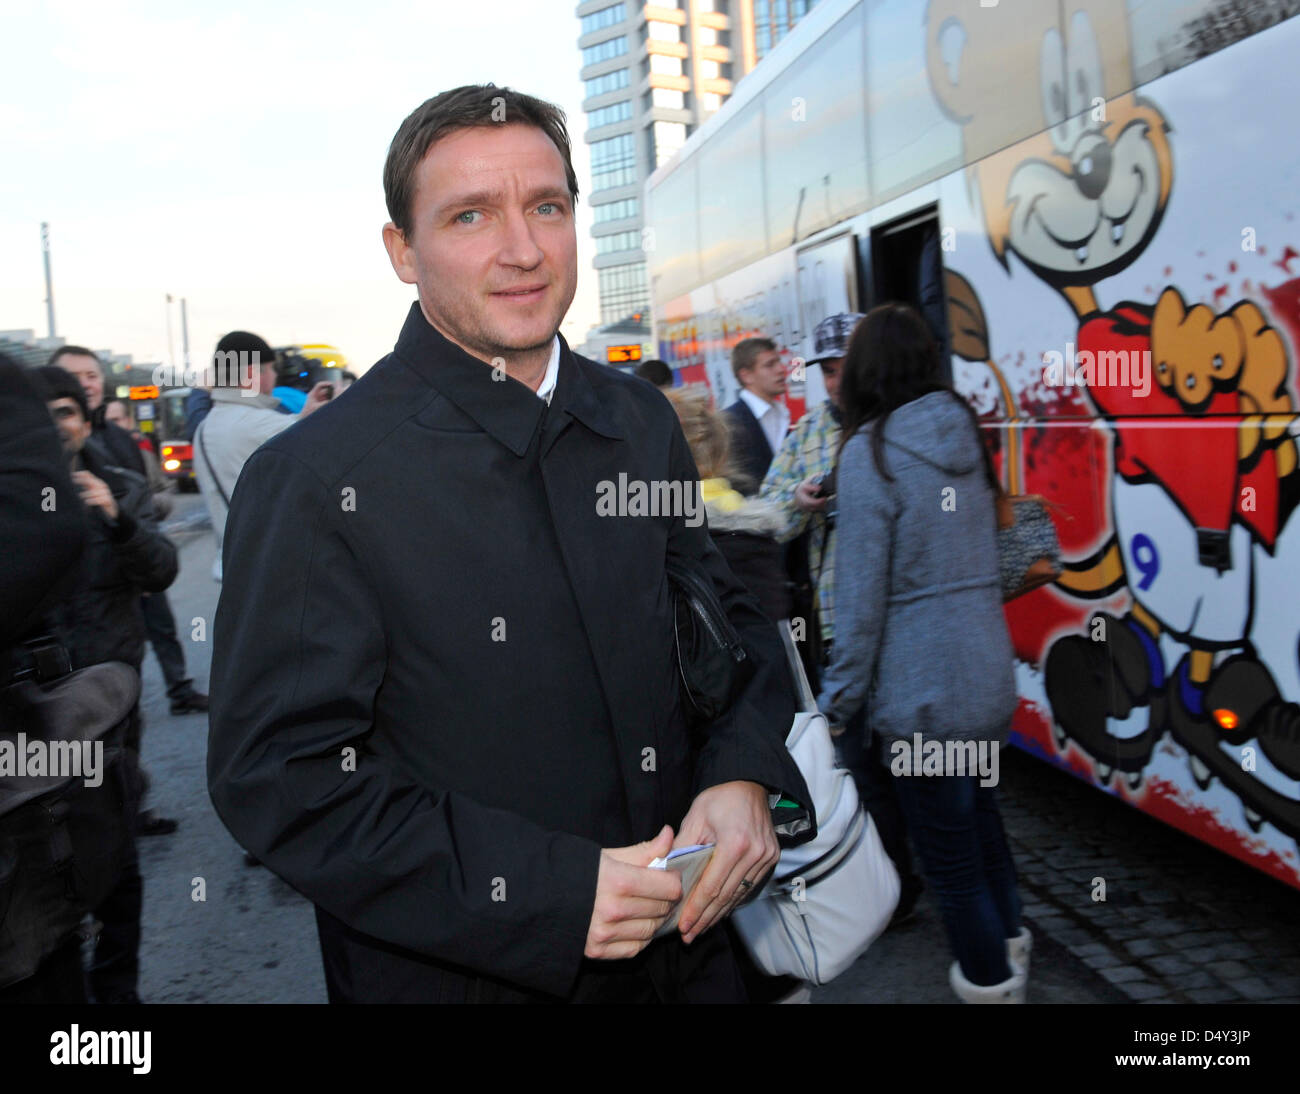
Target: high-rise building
column 772, row 21
column 652, row 73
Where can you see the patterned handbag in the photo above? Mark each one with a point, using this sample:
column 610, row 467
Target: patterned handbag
column 1029, row 553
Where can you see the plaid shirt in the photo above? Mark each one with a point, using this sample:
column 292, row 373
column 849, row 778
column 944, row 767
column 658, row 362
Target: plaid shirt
column 808, row 449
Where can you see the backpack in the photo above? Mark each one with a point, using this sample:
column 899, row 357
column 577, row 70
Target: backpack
column 62, row 843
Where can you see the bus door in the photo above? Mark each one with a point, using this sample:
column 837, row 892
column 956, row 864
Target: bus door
column 827, row 285
column 907, row 266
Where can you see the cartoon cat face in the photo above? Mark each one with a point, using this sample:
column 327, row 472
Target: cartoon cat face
column 1078, row 201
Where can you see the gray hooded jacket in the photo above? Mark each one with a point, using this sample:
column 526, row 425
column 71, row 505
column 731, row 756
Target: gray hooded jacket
column 920, row 635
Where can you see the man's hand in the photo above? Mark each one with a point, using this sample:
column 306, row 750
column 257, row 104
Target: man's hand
column 320, row 394
column 808, row 497
column 95, row 493
column 631, row 901
column 735, row 816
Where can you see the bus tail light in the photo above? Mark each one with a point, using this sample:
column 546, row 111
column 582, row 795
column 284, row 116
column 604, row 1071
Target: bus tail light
column 175, row 454
column 1226, row 718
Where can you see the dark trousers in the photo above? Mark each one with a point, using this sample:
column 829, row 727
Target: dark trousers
column 115, row 967
column 58, row 980
column 879, row 797
column 161, row 627
column 362, row 969
column 957, row 830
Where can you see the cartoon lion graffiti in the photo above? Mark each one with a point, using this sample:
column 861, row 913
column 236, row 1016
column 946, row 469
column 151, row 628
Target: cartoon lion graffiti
column 1200, row 504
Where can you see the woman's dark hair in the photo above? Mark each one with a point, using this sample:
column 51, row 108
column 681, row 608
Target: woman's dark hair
column 892, row 360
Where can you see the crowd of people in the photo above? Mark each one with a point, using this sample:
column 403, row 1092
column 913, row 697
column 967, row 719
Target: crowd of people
column 860, row 478
column 472, row 814
column 98, row 602
column 101, row 598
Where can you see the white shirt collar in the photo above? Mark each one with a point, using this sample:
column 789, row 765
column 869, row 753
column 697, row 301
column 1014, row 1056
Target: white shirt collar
column 547, row 387
column 773, row 418
column 758, row 404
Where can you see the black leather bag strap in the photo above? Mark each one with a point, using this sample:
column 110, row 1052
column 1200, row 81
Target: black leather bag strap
column 703, row 601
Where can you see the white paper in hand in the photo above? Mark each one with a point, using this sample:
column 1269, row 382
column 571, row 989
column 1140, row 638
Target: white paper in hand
column 690, row 863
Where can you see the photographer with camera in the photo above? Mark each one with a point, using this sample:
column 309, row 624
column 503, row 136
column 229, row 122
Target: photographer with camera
column 245, row 414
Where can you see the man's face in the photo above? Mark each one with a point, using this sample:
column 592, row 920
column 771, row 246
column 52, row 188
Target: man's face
column 831, row 374
column 766, row 378
column 115, row 412
column 86, row 370
column 493, row 248
column 268, row 379
column 73, row 428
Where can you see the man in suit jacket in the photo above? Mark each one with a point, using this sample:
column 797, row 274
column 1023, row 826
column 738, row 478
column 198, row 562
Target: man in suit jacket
column 759, row 418
column 446, row 703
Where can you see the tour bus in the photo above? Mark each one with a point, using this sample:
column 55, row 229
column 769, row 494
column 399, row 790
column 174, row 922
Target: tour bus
column 175, row 452
column 1094, row 205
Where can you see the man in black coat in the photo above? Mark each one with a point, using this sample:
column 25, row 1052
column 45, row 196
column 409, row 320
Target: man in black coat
column 120, row 449
column 759, row 419
column 445, row 697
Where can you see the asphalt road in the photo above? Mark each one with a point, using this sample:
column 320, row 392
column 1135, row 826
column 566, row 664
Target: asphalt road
column 252, row 939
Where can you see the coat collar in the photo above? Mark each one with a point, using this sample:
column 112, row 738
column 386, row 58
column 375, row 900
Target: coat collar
column 239, row 397
column 506, row 409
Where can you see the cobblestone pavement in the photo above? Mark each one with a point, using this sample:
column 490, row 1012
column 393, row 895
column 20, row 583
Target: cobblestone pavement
column 1181, row 922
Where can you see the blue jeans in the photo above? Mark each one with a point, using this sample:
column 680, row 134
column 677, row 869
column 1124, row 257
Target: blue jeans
column 957, row 832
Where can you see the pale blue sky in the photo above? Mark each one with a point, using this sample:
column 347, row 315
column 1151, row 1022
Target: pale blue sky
column 232, row 153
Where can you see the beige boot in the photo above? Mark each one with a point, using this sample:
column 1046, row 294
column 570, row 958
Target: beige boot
column 1018, row 949
column 1009, row 991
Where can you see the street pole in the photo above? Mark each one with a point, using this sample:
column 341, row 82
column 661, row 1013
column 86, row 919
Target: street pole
column 171, row 344
column 185, row 336
column 49, row 280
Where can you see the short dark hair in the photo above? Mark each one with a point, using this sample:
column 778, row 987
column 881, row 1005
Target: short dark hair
column 471, row 106
column 74, row 351
column 52, row 382
column 656, row 371
column 745, row 353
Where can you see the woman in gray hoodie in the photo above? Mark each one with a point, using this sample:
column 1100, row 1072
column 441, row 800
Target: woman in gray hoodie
column 921, row 639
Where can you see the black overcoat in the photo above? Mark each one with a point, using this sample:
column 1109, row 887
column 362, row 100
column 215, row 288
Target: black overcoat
column 443, row 674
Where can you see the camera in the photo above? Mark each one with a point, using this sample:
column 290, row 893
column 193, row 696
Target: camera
column 301, row 373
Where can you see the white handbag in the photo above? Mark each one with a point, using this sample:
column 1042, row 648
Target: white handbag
column 829, row 899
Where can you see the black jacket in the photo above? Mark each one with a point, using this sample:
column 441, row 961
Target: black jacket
column 759, row 562
column 42, row 523
column 751, row 453
column 99, row 619
column 420, row 572
column 117, row 444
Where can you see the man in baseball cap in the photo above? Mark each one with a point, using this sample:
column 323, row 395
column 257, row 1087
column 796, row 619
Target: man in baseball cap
column 831, row 341
column 806, row 457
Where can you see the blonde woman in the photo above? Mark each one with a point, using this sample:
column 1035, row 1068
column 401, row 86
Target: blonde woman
column 743, row 529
